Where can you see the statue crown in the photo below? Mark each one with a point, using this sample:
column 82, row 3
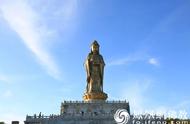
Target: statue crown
column 95, row 43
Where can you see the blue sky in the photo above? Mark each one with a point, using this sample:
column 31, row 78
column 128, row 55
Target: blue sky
column 43, row 45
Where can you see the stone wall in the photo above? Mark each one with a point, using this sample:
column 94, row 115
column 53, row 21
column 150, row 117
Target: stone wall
column 80, row 112
column 98, row 107
column 73, row 119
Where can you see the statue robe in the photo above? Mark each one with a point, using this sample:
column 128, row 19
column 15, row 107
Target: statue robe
column 94, row 65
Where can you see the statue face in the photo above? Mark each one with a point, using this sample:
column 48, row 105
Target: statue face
column 95, row 48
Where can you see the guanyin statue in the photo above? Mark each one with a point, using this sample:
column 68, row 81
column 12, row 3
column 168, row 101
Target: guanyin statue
column 94, row 65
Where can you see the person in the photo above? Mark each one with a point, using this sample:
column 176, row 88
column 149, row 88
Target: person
column 40, row 114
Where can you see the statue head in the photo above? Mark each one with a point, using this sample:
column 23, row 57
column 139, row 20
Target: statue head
column 95, row 47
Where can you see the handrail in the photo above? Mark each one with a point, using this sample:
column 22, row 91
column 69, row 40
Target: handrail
column 113, row 101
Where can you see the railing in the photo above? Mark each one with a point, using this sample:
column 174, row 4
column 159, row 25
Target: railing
column 69, row 115
column 89, row 115
column 119, row 101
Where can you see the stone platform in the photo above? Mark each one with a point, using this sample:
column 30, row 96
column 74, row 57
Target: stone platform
column 81, row 112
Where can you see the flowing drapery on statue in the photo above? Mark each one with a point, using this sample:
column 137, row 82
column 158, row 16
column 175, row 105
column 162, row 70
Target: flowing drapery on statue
column 94, row 65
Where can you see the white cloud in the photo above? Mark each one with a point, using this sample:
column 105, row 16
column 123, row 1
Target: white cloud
column 60, row 16
column 131, row 58
column 177, row 110
column 136, row 93
column 7, row 94
column 183, row 105
column 68, row 10
column 122, row 61
column 153, row 61
column 4, row 78
column 27, row 23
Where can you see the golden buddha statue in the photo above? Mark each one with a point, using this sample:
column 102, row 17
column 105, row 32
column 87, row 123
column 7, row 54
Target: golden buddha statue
column 94, row 65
